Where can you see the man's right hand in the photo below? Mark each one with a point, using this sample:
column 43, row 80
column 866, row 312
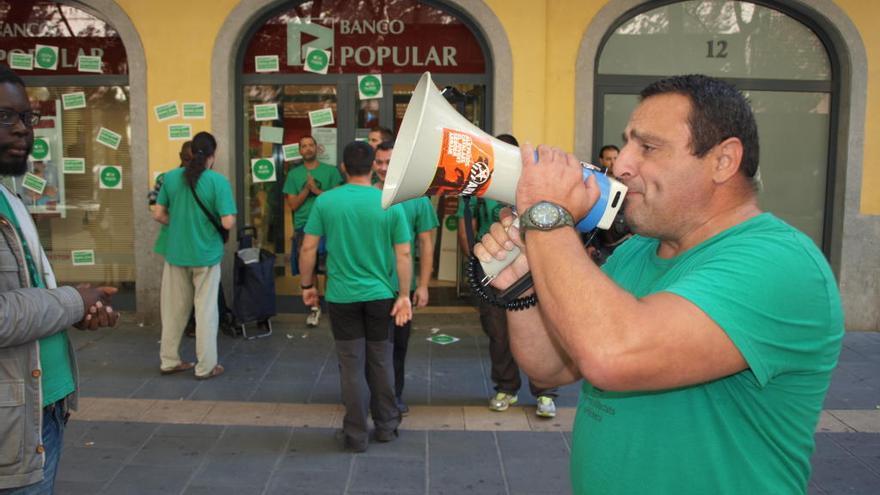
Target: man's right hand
column 98, row 311
column 497, row 244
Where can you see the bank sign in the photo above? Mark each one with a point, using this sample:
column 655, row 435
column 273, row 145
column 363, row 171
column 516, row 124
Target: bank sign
column 403, row 37
column 58, row 49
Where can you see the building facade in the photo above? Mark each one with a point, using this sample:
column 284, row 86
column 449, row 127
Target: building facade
column 261, row 73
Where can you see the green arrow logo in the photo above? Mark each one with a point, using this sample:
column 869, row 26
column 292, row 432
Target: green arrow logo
column 46, row 57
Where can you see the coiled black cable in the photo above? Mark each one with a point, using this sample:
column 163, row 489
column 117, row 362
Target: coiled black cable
column 507, row 299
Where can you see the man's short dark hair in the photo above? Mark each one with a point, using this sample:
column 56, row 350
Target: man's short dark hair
column 607, row 147
column 507, row 138
column 8, row 76
column 386, row 133
column 385, row 146
column 358, row 158
column 718, row 112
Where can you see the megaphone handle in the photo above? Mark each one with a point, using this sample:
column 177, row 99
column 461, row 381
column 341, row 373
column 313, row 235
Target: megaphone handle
column 493, row 268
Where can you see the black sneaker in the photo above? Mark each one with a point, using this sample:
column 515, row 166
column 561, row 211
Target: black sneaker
column 385, row 436
column 350, row 445
column 402, row 407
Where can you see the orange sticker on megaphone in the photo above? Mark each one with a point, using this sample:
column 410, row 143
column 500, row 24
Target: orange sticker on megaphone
column 466, row 165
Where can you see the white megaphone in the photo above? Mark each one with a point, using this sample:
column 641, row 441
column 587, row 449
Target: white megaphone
column 437, row 150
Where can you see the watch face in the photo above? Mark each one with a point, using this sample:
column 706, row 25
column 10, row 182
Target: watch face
column 544, row 215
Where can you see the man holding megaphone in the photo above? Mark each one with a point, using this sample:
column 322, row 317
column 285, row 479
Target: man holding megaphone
column 706, row 343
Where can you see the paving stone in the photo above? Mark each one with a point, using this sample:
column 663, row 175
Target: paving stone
column 464, row 462
column 140, row 480
column 170, row 451
column 535, row 463
column 376, row 475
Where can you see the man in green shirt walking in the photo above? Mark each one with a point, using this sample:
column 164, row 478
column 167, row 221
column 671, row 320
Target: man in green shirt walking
column 303, row 185
column 707, row 345
column 422, row 221
column 361, row 298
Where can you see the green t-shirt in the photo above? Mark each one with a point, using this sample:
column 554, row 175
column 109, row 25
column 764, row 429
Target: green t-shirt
column 192, row 238
column 162, row 238
column 484, row 211
column 771, row 290
column 57, row 375
column 326, row 177
column 421, row 217
column 359, row 233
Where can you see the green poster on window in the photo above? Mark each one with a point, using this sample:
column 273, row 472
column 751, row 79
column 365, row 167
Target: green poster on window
column 263, row 170
column 110, row 177
column 73, row 101
column 46, row 57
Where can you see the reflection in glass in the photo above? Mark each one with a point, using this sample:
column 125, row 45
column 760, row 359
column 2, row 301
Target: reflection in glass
column 73, row 212
column 264, row 201
column 720, row 38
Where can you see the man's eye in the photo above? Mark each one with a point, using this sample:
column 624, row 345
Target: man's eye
column 6, row 115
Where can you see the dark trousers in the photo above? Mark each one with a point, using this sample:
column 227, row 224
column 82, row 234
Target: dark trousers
column 401, row 344
column 362, row 332
column 505, row 372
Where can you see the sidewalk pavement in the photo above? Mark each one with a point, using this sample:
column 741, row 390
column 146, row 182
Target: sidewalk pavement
column 267, row 425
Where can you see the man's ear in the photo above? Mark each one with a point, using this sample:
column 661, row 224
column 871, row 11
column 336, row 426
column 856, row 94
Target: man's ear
column 342, row 167
column 727, row 159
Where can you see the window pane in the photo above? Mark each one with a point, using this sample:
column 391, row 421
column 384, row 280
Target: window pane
column 73, row 212
column 794, row 177
column 264, row 201
column 718, row 38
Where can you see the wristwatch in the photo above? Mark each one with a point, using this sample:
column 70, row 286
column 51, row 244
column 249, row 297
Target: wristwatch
column 544, row 215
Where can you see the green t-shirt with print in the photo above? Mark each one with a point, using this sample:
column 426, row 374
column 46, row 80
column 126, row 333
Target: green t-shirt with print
column 326, row 177
column 56, row 380
column 192, row 238
column 771, row 290
column 484, row 211
column 360, row 235
column 421, row 217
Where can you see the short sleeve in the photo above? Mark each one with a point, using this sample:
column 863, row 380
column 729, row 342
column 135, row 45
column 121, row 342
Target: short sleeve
column 426, row 217
column 335, row 178
column 774, row 297
column 162, row 199
column 223, row 201
column 290, row 186
column 400, row 231
column 315, row 223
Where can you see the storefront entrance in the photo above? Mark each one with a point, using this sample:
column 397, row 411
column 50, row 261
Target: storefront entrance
column 283, row 96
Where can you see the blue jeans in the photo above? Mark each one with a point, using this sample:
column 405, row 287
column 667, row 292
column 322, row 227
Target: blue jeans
column 54, row 420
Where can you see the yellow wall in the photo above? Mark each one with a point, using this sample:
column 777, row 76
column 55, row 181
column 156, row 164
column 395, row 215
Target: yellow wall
column 544, row 36
column 865, row 16
column 178, row 38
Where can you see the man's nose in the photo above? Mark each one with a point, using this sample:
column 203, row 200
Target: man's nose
column 623, row 166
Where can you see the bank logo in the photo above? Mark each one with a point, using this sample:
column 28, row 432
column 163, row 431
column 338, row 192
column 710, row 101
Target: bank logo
column 316, row 36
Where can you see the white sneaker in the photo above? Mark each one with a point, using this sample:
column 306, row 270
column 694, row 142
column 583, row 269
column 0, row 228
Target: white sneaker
column 546, row 407
column 501, row 401
column 314, row 317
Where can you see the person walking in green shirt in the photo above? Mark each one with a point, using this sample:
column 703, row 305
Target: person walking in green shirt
column 422, row 221
column 707, row 341
column 193, row 253
column 493, row 320
column 361, row 298
column 304, row 183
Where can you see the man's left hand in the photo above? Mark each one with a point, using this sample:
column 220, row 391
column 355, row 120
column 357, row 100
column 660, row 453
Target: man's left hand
column 310, row 297
column 402, row 310
column 420, row 297
column 557, row 177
